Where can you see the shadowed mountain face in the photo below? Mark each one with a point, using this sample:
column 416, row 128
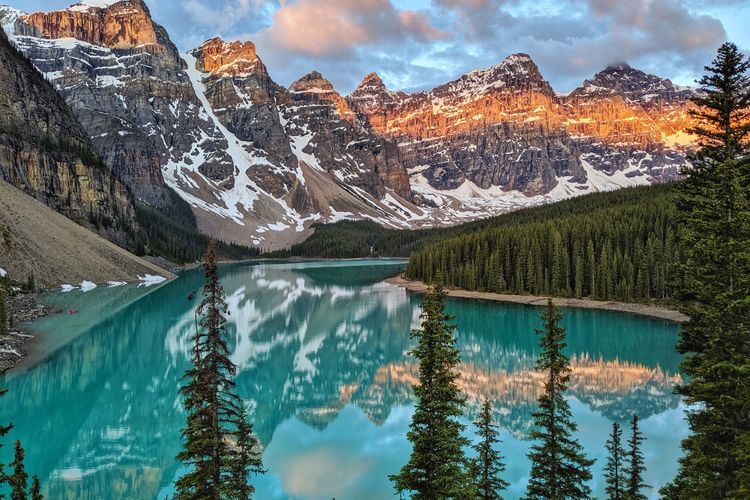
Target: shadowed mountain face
column 45, row 152
column 260, row 163
column 321, row 355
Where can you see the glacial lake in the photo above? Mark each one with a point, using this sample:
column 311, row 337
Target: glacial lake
column 321, row 355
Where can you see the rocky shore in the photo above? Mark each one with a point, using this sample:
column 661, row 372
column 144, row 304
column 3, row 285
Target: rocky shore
column 641, row 309
column 23, row 308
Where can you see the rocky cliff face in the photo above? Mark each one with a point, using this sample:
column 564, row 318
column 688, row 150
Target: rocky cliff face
column 45, row 152
column 124, row 25
column 504, row 129
column 299, row 155
column 339, row 142
column 492, row 127
column 309, row 122
column 125, row 81
column 244, row 98
column 628, row 121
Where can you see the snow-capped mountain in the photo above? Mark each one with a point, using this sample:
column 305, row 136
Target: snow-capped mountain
column 502, row 130
column 260, row 163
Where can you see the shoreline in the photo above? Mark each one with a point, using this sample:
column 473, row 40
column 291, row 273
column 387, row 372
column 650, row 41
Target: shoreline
column 15, row 343
column 18, row 342
column 536, row 300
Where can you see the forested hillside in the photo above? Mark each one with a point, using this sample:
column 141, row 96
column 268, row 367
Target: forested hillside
column 608, row 246
column 358, row 239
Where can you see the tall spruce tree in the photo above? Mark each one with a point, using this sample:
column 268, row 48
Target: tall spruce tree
column 19, row 480
column 3, row 312
column 215, row 414
column 247, row 457
column 714, row 211
column 635, row 464
column 437, row 467
column 488, row 464
column 559, row 468
column 4, row 429
column 614, row 473
column 36, row 489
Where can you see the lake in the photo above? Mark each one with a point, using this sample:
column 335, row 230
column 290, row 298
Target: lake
column 322, row 365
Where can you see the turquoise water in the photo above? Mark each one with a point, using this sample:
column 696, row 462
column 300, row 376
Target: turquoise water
column 321, row 354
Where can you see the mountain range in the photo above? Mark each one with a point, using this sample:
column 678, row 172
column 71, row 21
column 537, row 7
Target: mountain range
column 260, row 163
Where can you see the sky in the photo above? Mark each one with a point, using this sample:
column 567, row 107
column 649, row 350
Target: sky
column 418, row 44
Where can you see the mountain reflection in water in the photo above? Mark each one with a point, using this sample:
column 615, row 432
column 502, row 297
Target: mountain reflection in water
column 322, row 365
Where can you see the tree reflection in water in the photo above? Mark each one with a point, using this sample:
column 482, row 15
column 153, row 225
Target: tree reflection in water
column 321, row 354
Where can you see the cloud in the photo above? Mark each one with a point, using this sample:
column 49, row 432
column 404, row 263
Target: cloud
column 326, row 28
column 576, row 38
column 422, row 43
column 205, row 14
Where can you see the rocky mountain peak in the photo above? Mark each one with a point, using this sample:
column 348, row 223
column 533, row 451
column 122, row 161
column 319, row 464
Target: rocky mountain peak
column 371, row 82
column 313, row 82
column 519, row 58
column 631, row 84
column 8, row 15
column 372, row 93
column 228, row 58
column 121, row 25
column 313, row 88
column 515, row 72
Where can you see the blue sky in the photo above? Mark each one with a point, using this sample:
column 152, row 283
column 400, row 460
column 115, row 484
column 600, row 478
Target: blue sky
column 421, row 43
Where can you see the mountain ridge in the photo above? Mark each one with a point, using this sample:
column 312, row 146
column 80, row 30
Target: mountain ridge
column 238, row 147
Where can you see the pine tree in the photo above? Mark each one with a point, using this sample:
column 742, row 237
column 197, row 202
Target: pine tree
column 714, row 211
column 488, row 465
column 723, row 109
column 247, row 458
column 579, row 277
column 213, row 408
column 36, row 489
column 437, row 467
column 3, row 312
column 559, row 469
column 613, row 472
column 4, row 429
column 19, row 480
column 635, row 466
column 591, row 262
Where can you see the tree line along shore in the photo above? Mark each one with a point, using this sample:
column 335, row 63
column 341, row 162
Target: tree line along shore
column 652, row 311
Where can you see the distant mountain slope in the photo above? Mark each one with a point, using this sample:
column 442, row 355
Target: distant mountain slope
column 38, row 240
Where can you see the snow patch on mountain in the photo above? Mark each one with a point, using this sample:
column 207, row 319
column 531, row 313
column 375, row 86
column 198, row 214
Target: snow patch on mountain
column 8, row 16
column 243, row 194
column 239, row 200
column 469, row 201
column 97, row 4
